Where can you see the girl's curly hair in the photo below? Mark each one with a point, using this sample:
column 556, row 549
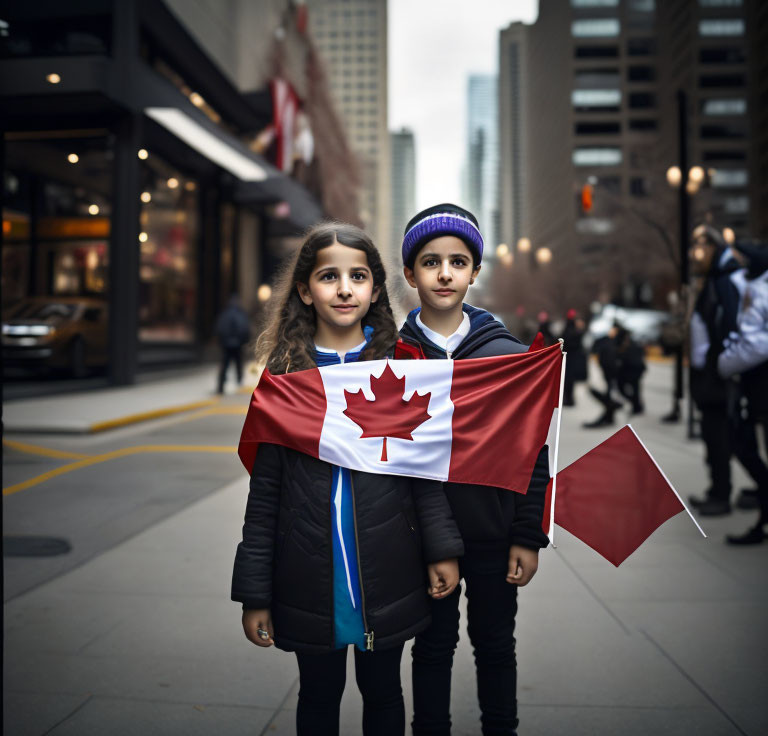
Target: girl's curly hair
column 287, row 342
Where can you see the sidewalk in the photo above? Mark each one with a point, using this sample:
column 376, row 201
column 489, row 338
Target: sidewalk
column 97, row 410
column 144, row 640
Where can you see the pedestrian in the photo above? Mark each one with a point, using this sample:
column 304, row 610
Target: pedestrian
column 233, row 330
column 746, row 354
column 326, row 561
column 545, row 328
column 714, row 318
column 630, row 358
column 576, row 362
column 604, row 348
column 502, row 531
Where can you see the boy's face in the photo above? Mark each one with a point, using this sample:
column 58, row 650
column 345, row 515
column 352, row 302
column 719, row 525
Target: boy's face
column 442, row 272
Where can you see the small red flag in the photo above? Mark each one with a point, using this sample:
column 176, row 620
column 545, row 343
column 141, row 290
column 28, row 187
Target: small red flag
column 614, row 497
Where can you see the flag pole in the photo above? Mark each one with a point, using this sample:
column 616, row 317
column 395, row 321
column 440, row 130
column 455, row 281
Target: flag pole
column 664, row 475
column 557, row 448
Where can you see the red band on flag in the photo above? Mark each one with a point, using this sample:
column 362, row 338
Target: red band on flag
column 286, row 410
column 498, row 434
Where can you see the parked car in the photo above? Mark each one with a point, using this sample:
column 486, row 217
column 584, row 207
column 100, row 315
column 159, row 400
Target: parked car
column 55, row 333
column 645, row 325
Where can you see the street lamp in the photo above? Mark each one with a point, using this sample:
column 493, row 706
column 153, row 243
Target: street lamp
column 543, row 255
column 674, row 176
column 504, row 254
column 524, row 245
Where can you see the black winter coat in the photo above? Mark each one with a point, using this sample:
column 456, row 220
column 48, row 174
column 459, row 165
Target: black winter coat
column 490, row 518
column 285, row 561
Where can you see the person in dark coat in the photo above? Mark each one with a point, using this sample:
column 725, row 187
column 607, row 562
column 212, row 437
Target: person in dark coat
column 714, row 318
column 576, row 361
column 233, row 330
column 746, row 356
column 502, row 531
column 332, row 557
column 607, row 358
column 630, row 368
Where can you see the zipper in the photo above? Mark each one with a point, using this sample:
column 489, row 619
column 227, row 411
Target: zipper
column 368, row 634
column 330, row 541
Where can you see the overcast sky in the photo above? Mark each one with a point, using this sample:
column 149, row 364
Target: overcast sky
column 434, row 45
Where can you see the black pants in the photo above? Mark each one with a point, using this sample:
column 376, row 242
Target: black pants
column 227, row 356
column 716, row 433
column 321, row 685
column 629, row 388
column 491, row 609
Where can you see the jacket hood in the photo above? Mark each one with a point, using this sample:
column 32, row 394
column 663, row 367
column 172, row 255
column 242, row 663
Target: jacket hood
column 483, row 329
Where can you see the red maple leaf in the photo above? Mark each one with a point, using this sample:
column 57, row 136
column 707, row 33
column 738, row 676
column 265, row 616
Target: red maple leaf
column 389, row 414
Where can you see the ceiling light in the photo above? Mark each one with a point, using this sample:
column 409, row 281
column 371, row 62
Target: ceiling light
column 143, row 154
column 146, row 197
column 53, row 78
column 93, row 209
column 172, row 183
column 73, row 158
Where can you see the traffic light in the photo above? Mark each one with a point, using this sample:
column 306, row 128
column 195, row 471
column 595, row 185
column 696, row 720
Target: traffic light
column 586, row 198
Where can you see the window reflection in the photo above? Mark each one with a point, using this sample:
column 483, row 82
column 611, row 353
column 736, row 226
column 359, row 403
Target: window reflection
column 168, row 257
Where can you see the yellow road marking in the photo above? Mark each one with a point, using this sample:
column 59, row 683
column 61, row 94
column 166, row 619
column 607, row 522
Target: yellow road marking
column 145, row 415
column 44, row 451
column 124, row 452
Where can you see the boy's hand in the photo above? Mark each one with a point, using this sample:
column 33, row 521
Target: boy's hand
column 523, row 563
column 257, row 625
column 443, row 577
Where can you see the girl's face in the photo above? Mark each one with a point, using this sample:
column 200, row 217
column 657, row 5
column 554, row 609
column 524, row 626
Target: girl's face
column 340, row 287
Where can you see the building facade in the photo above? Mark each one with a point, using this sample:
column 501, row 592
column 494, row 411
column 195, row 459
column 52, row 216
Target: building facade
column 599, row 142
column 403, row 153
column 351, row 36
column 513, row 132
column 129, row 182
column 482, row 153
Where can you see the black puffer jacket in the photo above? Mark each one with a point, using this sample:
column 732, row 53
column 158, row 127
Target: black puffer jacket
column 285, row 561
column 489, row 518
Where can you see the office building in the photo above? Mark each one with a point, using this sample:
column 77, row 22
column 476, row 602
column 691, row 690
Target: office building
column 403, row 153
column 351, row 36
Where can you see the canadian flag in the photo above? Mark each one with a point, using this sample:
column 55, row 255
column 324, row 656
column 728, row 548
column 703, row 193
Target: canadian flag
column 481, row 420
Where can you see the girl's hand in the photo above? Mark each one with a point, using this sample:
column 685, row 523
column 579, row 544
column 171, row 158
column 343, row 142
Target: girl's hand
column 257, row 625
column 523, row 563
column 443, row 577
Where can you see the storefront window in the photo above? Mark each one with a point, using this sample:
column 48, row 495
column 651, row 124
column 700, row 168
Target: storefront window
column 168, row 261
column 56, row 217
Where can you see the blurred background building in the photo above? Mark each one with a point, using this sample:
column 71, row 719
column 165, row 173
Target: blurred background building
column 351, row 36
column 482, row 162
column 589, row 93
column 513, row 132
column 159, row 156
column 403, row 179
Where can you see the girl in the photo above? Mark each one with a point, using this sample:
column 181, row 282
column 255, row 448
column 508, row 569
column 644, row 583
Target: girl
column 332, row 557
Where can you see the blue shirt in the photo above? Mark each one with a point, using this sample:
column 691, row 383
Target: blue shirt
column 347, row 598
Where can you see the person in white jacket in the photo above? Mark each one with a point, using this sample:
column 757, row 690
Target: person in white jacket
column 746, row 354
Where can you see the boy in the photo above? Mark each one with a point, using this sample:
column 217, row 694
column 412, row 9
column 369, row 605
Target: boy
column 442, row 251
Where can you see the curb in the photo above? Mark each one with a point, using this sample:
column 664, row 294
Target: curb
column 124, row 421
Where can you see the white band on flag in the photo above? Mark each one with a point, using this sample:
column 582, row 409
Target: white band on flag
column 553, row 470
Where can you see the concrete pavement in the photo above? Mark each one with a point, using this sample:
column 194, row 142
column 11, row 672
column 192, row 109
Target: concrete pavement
column 143, row 639
column 98, row 410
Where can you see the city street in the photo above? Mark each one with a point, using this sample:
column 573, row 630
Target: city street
column 132, row 631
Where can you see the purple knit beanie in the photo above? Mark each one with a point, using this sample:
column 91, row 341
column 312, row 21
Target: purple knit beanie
column 442, row 219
